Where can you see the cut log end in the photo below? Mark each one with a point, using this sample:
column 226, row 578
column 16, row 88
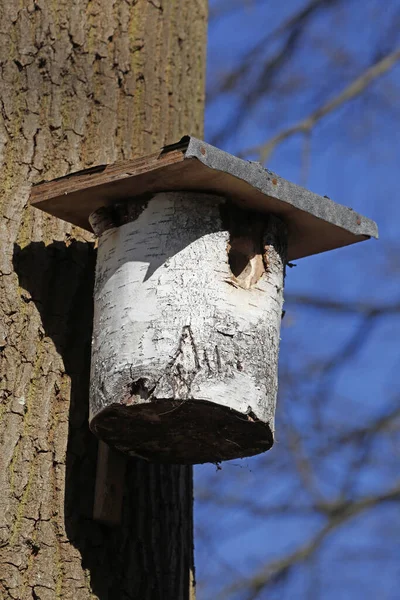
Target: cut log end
column 182, row 432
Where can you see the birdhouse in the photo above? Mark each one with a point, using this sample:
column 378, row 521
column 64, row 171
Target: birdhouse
column 192, row 249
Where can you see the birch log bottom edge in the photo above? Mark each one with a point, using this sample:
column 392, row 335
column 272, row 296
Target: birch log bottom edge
column 187, row 314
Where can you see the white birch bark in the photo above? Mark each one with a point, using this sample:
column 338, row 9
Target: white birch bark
column 184, row 356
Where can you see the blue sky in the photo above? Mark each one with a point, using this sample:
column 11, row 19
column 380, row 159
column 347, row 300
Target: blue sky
column 353, row 159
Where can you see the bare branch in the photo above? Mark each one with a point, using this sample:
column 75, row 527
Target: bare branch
column 382, row 424
column 338, row 514
column 349, row 93
column 303, row 464
column 357, row 308
column 294, row 24
column 255, row 509
column 292, row 32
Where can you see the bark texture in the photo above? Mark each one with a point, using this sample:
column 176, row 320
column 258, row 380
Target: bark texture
column 82, row 83
column 188, row 305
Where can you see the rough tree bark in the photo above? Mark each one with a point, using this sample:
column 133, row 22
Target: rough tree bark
column 82, row 83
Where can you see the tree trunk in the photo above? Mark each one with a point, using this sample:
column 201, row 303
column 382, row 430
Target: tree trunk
column 82, row 83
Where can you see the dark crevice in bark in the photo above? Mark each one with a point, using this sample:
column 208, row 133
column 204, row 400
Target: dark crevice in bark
column 274, row 245
column 139, row 389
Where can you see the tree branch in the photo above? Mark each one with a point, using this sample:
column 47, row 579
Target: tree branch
column 349, row 93
column 291, row 31
column 338, row 514
column 356, row 308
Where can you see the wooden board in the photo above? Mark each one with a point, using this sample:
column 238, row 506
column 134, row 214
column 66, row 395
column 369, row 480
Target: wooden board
column 315, row 224
column 109, row 490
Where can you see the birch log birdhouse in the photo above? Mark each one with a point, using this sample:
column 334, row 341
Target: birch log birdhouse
column 192, row 248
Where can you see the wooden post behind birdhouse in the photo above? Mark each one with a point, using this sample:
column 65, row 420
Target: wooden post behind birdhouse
column 188, row 303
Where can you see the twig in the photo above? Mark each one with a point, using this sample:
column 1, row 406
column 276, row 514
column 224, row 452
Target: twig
column 349, row 93
column 360, row 308
column 292, row 31
column 338, row 514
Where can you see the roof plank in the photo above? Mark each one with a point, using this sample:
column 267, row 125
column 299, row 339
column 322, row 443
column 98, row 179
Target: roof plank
column 315, row 223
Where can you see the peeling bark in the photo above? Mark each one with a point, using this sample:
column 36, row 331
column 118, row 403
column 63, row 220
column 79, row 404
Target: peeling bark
column 82, row 83
column 188, row 305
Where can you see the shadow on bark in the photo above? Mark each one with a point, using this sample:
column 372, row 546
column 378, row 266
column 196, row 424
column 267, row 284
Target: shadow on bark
column 131, row 561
